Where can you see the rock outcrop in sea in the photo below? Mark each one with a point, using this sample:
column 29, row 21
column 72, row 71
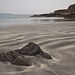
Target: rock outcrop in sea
column 17, row 57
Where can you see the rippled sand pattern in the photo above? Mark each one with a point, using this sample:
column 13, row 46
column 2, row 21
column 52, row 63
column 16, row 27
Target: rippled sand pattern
column 57, row 39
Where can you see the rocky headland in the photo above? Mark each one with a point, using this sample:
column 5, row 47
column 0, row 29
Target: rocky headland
column 66, row 13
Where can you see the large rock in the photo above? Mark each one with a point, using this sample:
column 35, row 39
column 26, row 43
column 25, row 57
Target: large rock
column 31, row 49
column 16, row 56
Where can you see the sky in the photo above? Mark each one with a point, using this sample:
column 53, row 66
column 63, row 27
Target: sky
column 33, row 6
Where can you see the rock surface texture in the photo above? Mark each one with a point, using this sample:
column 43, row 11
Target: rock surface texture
column 16, row 57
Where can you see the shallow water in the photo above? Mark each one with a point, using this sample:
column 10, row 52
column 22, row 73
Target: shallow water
column 56, row 38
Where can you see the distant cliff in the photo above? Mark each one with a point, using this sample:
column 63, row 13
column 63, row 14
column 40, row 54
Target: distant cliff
column 71, row 8
column 61, row 11
column 66, row 13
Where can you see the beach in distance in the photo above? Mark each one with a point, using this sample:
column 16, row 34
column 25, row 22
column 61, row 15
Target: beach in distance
column 55, row 36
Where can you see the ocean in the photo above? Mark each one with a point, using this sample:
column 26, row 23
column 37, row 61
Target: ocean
column 24, row 19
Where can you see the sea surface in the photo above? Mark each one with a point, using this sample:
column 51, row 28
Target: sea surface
column 24, row 19
column 54, row 36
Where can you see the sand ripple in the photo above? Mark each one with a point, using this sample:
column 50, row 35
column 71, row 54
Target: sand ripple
column 58, row 39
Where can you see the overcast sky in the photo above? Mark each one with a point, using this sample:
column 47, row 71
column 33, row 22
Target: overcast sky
column 33, row 6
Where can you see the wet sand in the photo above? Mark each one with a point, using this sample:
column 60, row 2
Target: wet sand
column 56, row 39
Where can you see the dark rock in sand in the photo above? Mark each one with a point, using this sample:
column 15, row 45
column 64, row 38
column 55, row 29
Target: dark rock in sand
column 16, row 56
column 2, row 57
column 21, row 60
column 18, row 50
column 9, row 56
column 45, row 55
column 31, row 49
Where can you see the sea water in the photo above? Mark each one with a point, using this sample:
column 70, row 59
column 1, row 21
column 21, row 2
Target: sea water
column 24, row 19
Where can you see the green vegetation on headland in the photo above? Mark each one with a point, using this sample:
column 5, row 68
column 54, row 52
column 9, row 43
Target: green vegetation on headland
column 66, row 13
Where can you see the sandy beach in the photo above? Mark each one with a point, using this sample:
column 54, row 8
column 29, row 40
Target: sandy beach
column 56, row 38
